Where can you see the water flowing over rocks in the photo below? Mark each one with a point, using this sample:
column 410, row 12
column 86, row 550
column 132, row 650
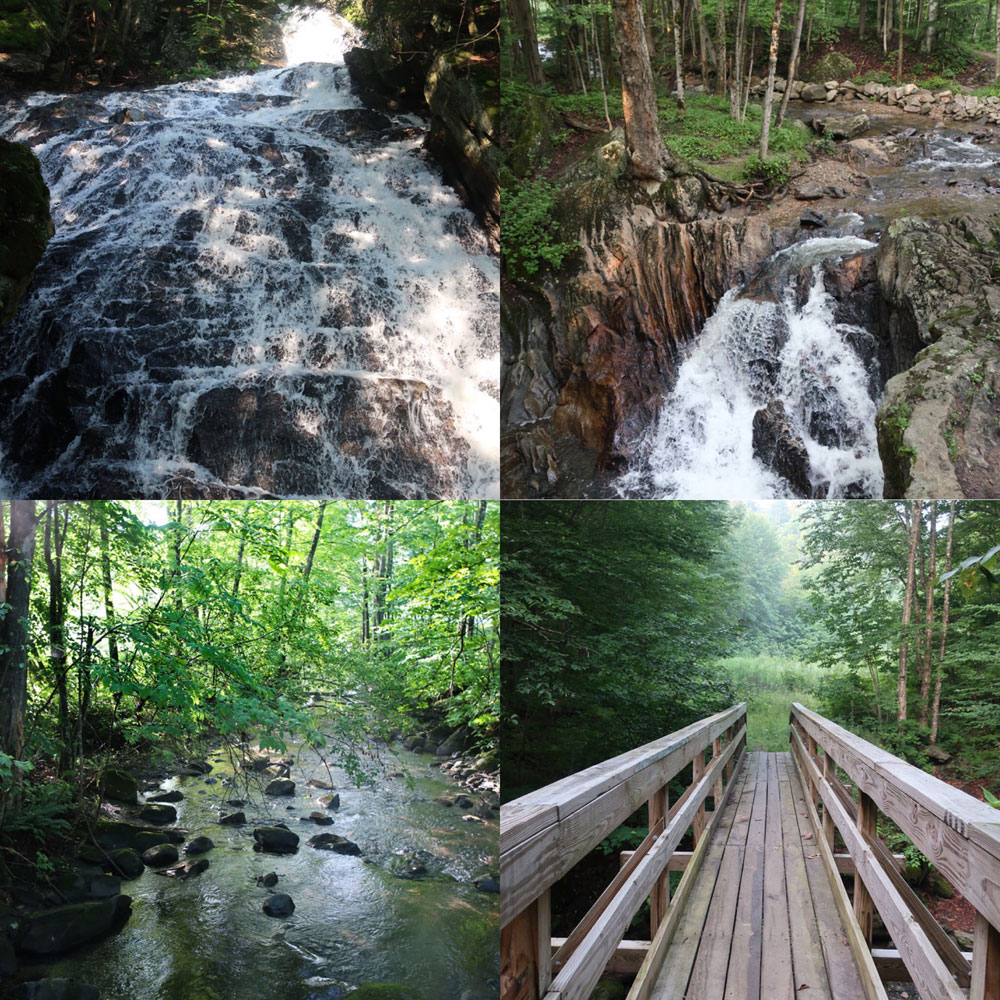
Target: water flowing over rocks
column 587, row 351
column 257, row 287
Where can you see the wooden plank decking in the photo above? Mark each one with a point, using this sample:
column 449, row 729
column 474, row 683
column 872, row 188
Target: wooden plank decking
column 761, row 922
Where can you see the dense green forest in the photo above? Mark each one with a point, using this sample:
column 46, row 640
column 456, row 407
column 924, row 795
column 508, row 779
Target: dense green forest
column 134, row 633
column 627, row 620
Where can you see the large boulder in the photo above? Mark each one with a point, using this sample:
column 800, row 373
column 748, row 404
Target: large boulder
column 119, row 786
column 157, row 812
column 331, row 842
column 938, row 430
column 275, row 840
column 280, row 786
column 8, row 960
column 279, row 905
column 159, row 856
column 780, row 448
column 124, row 862
column 149, row 838
column 461, row 136
column 62, row 928
column 25, row 223
column 199, row 845
column 841, row 126
column 813, row 92
column 833, row 66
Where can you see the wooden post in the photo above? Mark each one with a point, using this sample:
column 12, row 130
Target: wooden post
column 659, row 806
column 524, row 963
column 864, row 909
column 731, row 765
column 985, row 961
column 719, row 783
column 813, row 790
column 827, row 818
column 698, row 824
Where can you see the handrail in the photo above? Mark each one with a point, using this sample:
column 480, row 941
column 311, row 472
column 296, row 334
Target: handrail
column 545, row 833
column 957, row 833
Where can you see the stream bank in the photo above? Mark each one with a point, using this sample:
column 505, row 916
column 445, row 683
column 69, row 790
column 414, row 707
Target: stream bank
column 307, row 885
column 593, row 352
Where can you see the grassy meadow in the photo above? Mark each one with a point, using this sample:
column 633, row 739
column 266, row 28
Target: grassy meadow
column 769, row 684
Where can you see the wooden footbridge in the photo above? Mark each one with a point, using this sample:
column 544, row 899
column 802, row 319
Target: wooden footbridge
column 763, row 910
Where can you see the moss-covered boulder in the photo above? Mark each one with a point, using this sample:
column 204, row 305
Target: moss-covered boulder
column 48, row 932
column 119, row 786
column 461, row 136
column 833, row 66
column 24, row 40
column 530, row 128
column 25, row 223
column 939, row 420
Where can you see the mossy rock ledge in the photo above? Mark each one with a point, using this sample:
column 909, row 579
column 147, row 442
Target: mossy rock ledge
column 25, row 223
column 939, row 420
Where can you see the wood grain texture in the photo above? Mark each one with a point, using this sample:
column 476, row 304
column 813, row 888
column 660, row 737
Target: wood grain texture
column 956, row 832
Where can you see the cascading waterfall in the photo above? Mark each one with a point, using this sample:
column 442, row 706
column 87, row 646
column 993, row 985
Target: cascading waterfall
column 750, row 354
column 256, row 285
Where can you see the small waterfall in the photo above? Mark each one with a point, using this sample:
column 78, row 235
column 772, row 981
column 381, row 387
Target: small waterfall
column 257, row 285
column 752, row 355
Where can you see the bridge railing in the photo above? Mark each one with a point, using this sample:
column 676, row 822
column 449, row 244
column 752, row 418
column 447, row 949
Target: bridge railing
column 958, row 834
column 545, row 833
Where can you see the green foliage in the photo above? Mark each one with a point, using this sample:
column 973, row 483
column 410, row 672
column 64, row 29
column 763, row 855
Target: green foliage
column 530, row 238
column 611, row 612
column 775, row 170
column 991, row 799
column 625, row 838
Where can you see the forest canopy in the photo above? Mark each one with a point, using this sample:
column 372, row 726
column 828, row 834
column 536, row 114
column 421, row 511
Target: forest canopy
column 624, row 621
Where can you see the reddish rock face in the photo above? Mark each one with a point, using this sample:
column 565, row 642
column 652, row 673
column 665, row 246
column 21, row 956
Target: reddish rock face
column 596, row 351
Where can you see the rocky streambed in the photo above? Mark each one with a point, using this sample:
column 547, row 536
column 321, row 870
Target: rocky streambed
column 278, row 878
column 870, row 372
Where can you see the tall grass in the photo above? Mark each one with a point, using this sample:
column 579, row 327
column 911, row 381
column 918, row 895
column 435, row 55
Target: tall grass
column 769, row 684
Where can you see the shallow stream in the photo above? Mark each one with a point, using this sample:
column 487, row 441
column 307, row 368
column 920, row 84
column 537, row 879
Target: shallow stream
column 355, row 921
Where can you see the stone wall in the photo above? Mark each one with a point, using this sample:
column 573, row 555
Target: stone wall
column 908, row 97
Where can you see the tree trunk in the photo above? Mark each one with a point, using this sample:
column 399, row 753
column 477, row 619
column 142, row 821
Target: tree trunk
column 793, row 61
column 913, row 526
column 996, row 39
column 720, row 46
column 649, row 157
column 18, row 555
column 523, row 22
column 307, row 569
column 899, row 59
column 925, row 669
column 109, row 606
column 862, row 14
column 678, row 57
column 55, row 536
column 932, row 16
column 772, row 66
column 739, row 42
column 600, row 69
column 946, row 604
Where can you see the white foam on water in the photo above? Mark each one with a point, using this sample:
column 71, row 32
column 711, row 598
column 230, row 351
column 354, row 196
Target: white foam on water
column 702, row 444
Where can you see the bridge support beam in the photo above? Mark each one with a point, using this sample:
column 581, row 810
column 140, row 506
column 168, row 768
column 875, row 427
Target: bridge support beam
column 659, row 898
column 985, row 961
column 525, row 944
